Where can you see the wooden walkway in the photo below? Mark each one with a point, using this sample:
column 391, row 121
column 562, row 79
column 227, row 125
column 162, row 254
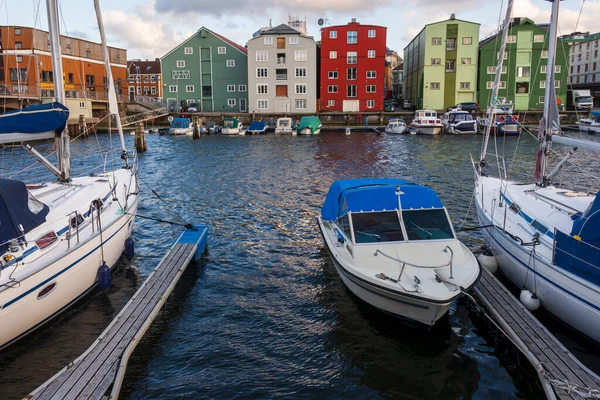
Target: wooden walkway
column 556, row 366
column 103, row 364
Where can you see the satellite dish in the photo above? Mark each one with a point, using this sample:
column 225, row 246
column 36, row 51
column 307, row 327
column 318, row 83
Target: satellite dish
column 321, row 21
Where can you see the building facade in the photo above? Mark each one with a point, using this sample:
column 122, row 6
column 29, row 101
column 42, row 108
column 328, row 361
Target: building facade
column 523, row 74
column 352, row 77
column 440, row 65
column 207, row 70
column 26, row 71
column 144, row 79
column 282, row 72
column 584, row 63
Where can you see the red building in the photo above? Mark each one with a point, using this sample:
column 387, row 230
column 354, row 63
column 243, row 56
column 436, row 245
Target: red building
column 352, row 67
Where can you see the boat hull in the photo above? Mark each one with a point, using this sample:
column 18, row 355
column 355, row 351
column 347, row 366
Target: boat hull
column 395, row 129
column 230, row 131
column 309, row 132
column 428, row 130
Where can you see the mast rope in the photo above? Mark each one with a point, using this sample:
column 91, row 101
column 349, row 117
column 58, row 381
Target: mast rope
column 171, row 209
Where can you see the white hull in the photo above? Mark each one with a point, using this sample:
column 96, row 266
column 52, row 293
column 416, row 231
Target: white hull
column 284, row 132
column 182, row 131
column 308, row 132
column 73, row 271
column 589, row 128
column 230, row 131
column 395, row 129
column 428, row 130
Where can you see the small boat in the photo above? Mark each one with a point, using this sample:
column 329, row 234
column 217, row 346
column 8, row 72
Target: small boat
column 181, row 126
column 348, row 131
column 284, row 126
column 504, row 122
column 396, row 125
column 459, row 122
column 590, row 125
column 309, row 125
column 393, row 245
column 257, row 128
column 426, row 122
column 231, row 126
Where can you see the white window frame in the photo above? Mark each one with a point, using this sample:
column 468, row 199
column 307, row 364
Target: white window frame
column 180, row 63
column 293, row 40
column 354, row 37
column 268, row 40
column 221, row 50
column 172, row 88
column 465, row 85
column 332, row 54
column 332, row 34
column 262, row 56
column 538, row 38
column 301, row 88
column 300, row 55
column 434, row 86
column 230, row 63
column 541, row 99
column 511, row 39
column 467, row 42
column 153, row 90
column 371, row 88
column 544, row 53
column 543, row 69
column 557, row 69
column 436, row 61
column 543, row 84
column 465, row 61
column 371, row 33
column 436, row 41
column 242, row 88
column 260, row 70
column 355, row 91
column 263, row 102
column 303, row 104
column 189, row 88
column 351, row 56
column 231, row 88
column 188, row 50
column 333, row 75
column 231, row 102
column 262, row 88
column 370, row 103
column 370, row 53
column 303, row 72
column 372, row 74
column 330, row 103
column 330, row 88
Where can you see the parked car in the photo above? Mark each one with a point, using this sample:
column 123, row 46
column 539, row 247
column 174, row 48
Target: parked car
column 4, row 89
column 467, row 106
column 407, row 104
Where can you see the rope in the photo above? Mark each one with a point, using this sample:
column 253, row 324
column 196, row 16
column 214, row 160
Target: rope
column 186, row 225
column 468, row 211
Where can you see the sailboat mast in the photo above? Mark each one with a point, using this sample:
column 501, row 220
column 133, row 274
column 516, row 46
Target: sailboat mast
column 61, row 141
column 494, row 97
column 112, row 95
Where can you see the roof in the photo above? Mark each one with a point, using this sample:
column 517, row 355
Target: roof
column 223, row 38
column 146, row 67
column 282, row 29
column 439, row 22
column 513, row 22
column 584, row 38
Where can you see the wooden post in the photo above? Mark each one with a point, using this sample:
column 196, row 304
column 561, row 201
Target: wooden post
column 82, row 126
column 196, row 133
column 140, row 138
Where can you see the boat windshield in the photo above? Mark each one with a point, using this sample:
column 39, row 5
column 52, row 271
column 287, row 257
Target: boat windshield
column 383, row 226
column 460, row 117
column 427, row 224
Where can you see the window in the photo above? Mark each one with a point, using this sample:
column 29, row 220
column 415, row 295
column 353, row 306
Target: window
column 352, row 37
column 231, row 88
column 189, row 88
column 436, row 41
column 231, row 102
column 17, row 31
column 262, row 89
column 281, row 74
column 281, row 43
column 242, row 88
column 81, row 104
column 281, row 90
column 333, row 74
column 88, row 54
column 294, row 40
column 207, row 91
column 330, row 103
column 18, row 45
column 435, row 86
column 261, row 72
column 268, row 40
column 511, row 39
column 370, row 103
column 557, row 84
column 301, row 104
column 451, row 44
column 351, row 74
column 541, row 99
column 263, row 104
column 351, row 91
column 300, row 72
column 538, row 38
column 332, row 34
column 351, row 57
column 426, row 224
column 332, row 89
column 173, row 89
column 300, row 55
column 557, row 69
column 71, row 78
column 47, row 76
column 371, row 88
column 371, row 54
column 180, row 63
column 370, row 227
column 231, row 63
column 333, row 54
column 465, row 85
column 578, row 68
column 153, row 90
column 262, row 56
column 90, row 80
column 522, row 87
column 371, row 74
column 542, row 84
column 222, row 50
column 301, row 88
column 188, row 50
column 467, row 40
column 587, row 55
column 372, row 33
column 19, row 59
column 436, row 61
column 450, row 65
column 465, row 61
column 523, row 72
column 281, row 58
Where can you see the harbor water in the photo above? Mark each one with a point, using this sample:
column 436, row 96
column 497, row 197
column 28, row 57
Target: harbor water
column 265, row 314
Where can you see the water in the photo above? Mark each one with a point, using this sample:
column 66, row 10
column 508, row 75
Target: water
column 265, row 315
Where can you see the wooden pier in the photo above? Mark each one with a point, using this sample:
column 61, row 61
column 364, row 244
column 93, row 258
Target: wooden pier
column 561, row 374
column 102, row 366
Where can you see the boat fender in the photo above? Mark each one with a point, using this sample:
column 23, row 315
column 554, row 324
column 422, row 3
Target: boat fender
column 529, row 300
column 103, row 276
column 129, row 248
column 489, row 262
column 501, row 118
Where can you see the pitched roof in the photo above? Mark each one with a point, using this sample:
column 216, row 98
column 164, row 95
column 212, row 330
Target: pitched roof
column 516, row 21
column 146, row 67
column 282, row 29
column 223, row 38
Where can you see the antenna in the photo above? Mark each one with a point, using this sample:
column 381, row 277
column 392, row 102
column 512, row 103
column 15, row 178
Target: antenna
column 321, row 21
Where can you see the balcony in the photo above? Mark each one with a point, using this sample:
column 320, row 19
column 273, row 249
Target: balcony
column 281, row 74
column 280, row 58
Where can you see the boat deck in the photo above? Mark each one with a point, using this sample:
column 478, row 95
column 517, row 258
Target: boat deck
column 542, row 349
column 103, row 364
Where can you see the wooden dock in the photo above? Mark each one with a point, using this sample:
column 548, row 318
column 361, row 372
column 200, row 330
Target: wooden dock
column 102, row 366
column 561, row 374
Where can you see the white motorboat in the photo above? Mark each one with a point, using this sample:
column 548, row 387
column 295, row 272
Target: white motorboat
column 181, row 127
column 58, row 239
column 232, row 126
column 394, row 247
column 426, row 122
column 459, row 122
column 503, row 121
column 396, row 125
column 546, row 239
column 590, row 125
column 284, row 126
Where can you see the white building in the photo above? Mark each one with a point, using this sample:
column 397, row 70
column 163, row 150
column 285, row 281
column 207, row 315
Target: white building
column 282, row 72
column 584, row 62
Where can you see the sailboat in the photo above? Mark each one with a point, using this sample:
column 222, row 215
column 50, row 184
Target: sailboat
column 58, row 238
column 546, row 239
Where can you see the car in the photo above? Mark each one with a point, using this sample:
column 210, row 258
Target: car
column 471, row 107
column 407, row 104
column 4, row 89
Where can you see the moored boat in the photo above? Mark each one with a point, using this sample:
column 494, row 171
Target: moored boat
column 257, row 128
column 590, row 125
column 459, row 122
column 284, row 126
column 231, row 126
column 396, row 125
column 309, row 125
column 181, row 126
column 426, row 122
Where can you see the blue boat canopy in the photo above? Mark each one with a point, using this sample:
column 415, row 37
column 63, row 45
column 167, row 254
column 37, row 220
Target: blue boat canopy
column 18, row 208
column 596, row 114
column 180, row 123
column 356, row 195
column 257, row 126
column 42, row 121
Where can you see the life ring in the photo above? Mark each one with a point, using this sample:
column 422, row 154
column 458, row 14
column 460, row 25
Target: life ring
column 515, row 118
column 501, row 118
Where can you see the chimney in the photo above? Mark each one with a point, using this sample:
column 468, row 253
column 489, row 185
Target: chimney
column 452, row 16
column 353, row 21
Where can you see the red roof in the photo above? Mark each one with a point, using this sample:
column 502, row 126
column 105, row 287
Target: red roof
column 231, row 42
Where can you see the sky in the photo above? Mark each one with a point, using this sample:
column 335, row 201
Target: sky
column 149, row 29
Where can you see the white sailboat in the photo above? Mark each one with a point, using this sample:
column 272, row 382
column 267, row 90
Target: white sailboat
column 546, row 239
column 58, row 238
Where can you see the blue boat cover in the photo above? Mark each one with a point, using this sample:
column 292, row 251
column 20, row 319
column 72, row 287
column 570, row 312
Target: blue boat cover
column 18, row 208
column 597, row 115
column 367, row 194
column 180, row 123
column 40, row 118
column 257, row 126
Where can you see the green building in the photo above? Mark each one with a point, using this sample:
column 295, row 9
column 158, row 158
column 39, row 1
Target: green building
column 208, row 70
column 440, row 65
column 523, row 75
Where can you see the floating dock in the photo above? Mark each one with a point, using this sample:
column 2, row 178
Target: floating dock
column 103, row 364
column 561, row 374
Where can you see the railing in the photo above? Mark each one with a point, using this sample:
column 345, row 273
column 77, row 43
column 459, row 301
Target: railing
column 145, row 116
column 405, row 263
column 281, row 77
column 280, row 60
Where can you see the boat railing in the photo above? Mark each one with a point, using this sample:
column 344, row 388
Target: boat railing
column 405, row 263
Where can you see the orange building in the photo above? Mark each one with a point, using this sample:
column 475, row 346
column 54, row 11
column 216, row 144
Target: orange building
column 145, row 79
column 26, row 70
